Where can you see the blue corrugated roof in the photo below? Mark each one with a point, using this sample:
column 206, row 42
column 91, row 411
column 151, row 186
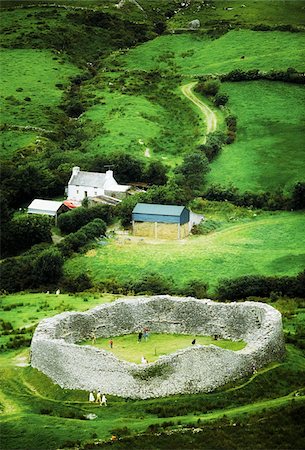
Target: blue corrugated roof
column 162, row 210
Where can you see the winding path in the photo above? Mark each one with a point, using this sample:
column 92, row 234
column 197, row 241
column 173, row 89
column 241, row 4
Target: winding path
column 210, row 116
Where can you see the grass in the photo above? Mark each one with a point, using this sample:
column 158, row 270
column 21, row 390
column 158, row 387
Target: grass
column 268, row 153
column 29, row 90
column 23, row 311
column 265, row 245
column 270, row 12
column 12, row 141
column 193, row 55
column 128, row 348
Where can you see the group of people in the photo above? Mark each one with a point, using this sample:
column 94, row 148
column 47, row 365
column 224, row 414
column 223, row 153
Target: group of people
column 101, row 399
column 143, row 335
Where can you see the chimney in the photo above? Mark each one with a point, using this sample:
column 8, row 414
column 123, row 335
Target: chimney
column 109, row 175
column 75, row 170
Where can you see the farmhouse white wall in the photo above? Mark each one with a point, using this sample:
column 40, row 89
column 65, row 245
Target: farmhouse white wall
column 195, row 369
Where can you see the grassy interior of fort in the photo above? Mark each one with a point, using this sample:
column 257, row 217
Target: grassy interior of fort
column 129, row 348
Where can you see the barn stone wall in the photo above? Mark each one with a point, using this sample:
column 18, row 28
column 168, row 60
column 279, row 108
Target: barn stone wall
column 55, row 349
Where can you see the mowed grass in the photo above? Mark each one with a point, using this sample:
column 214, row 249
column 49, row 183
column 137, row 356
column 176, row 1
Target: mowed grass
column 268, row 153
column 128, row 348
column 29, row 90
column 195, row 54
column 269, row 245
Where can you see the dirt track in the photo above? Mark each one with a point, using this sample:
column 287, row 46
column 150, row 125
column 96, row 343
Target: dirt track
column 210, row 116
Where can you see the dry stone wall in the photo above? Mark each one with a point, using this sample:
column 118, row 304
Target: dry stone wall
column 55, row 349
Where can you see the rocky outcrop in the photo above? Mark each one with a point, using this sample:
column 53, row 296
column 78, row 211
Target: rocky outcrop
column 55, row 349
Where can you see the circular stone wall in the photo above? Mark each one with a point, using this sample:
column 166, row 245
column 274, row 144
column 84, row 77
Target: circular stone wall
column 195, row 369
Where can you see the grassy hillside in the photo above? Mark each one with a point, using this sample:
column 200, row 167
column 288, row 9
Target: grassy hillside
column 38, row 414
column 31, row 85
column 269, row 150
column 268, row 245
column 195, row 54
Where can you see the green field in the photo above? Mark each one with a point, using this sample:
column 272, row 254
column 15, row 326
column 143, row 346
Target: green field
column 36, row 414
column 128, row 348
column 269, row 245
column 213, row 14
column 191, row 54
column 268, row 154
column 29, row 91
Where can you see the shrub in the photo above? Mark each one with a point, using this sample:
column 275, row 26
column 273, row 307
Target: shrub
column 79, row 283
column 24, row 231
column 78, row 217
column 220, row 99
column 261, row 286
column 209, row 87
column 47, row 267
column 206, row 227
column 153, row 283
column 75, row 241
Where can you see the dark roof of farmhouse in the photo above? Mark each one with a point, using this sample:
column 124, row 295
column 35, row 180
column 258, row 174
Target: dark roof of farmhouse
column 161, row 210
column 93, row 179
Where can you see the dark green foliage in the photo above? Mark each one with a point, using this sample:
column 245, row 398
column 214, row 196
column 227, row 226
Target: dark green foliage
column 155, row 173
column 74, row 241
column 213, row 145
column 190, row 175
column 153, row 283
column 298, row 196
column 47, row 267
column 291, row 75
column 206, row 227
column 266, row 200
column 261, row 286
column 126, row 167
column 209, row 87
column 124, row 210
column 79, row 283
column 23, row 231
column 76, row 218
column 220, row 99
column 16, row 274
column 195, row 288
column 277, row 429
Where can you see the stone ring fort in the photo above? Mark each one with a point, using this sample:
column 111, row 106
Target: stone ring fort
column 198, row 368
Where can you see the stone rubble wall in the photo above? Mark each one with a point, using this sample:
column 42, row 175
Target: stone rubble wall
column 198, row 368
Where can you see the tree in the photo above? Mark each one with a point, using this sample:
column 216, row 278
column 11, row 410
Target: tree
column 191, row 173
column 298, row 196
column 47, row 267
column 156, row 173
column 209, row 87
column 24, row 231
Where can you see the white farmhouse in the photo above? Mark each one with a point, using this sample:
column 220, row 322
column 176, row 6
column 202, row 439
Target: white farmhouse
column 94, row 184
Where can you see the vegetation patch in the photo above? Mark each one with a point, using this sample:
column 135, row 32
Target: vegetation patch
column 267, row 152
column 129, row 348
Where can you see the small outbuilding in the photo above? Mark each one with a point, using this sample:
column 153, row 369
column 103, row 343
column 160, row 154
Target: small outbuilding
column 160, row 221
column 47, row 207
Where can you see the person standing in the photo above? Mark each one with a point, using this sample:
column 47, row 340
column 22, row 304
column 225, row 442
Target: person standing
column 104, row 400
column 98, row 397
column 140, row 336
column 91, row 397
column 111, row 343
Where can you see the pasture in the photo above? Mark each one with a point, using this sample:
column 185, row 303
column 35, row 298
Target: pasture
column 268, row 154
column 195, row 54
column 30, row 85
column 264, row 245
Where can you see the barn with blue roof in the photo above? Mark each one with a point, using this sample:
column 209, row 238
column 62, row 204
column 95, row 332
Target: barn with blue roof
column 160, row 221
